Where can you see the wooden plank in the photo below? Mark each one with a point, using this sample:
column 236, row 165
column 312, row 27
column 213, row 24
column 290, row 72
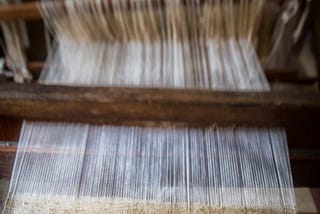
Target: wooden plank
column 113, row 105
column 30, row 11
column 25, row 10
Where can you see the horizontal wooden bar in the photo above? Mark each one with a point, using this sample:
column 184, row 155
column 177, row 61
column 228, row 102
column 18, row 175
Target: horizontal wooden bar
column 28, row 11
column 25, row 10
column 113, row 105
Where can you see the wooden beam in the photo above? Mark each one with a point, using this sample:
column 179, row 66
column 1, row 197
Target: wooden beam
column 29, row 11
column 118, row 105
column 25, row 10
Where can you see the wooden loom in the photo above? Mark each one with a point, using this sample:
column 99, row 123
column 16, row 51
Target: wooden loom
column 299, row 112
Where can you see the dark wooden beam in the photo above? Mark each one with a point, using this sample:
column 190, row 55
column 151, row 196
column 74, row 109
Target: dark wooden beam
column 30, row 10
column 112, row 105
column 25, row 10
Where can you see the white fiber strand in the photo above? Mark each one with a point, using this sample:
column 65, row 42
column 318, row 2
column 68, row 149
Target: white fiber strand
column 150, row 169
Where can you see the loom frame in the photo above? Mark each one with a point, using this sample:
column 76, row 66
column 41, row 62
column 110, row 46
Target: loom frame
column 299, row 113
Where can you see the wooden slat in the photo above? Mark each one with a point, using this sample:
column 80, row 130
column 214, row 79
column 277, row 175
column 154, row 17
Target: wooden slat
column 29, row 11
column 108, row 105
column 25, row 10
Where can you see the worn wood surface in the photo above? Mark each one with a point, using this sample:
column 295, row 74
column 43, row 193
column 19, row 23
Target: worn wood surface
column 25, row 10
column 30, row 11
column 117, row 105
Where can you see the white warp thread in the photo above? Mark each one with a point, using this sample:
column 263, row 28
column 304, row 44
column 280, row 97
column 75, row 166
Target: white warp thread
column 61, row 166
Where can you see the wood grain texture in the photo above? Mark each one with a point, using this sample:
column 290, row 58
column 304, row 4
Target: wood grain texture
column 112, row 105
column 26, row 11
column 30, row 10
